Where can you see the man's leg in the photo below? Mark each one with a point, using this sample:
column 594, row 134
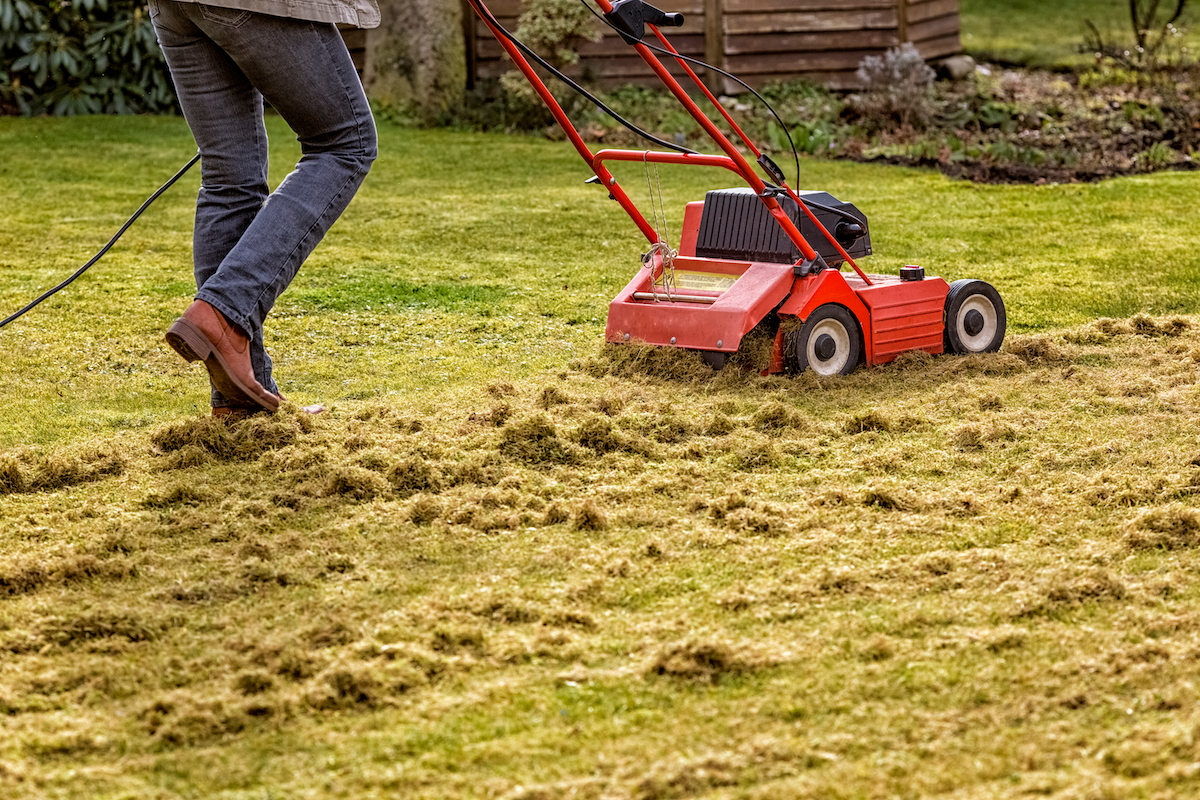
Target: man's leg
column 305, row 73
column 224, row 112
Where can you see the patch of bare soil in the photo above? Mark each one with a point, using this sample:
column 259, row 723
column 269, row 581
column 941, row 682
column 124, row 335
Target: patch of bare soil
column 1035, row 127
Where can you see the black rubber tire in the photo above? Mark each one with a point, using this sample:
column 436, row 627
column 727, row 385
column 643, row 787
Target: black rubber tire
column 829, row 342
column 975, row 320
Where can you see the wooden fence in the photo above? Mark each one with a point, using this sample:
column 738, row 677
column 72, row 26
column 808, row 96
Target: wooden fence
column 356, row 43
column 758, row 40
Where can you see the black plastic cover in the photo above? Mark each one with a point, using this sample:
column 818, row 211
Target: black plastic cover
column 736, row 225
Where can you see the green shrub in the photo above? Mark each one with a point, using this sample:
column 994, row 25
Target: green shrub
column 66, row 57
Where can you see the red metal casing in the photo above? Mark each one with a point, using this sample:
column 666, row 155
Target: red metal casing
column 894, row 315
column 759, row 287
column 905, row 315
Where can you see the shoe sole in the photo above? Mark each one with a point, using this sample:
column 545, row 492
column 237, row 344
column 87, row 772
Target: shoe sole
column 189, row 342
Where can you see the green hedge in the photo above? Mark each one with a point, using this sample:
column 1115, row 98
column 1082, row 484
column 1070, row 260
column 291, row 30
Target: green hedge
column 81, row 57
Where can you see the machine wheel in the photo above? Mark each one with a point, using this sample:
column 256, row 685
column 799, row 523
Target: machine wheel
column 975, row 319
column 829, row 342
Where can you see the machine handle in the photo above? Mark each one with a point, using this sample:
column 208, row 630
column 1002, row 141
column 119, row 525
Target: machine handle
column 630, row 18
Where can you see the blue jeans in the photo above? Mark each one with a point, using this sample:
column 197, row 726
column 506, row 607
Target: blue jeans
column 248, row 244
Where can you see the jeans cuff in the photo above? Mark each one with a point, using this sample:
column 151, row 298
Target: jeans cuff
column 231, row 315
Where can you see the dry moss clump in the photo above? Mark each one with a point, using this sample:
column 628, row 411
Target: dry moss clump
column 589, row 517
column 775, row 416
column 644, row 361
column 12, row 479
column 243, row 440
column 534, row 440
column 1171, row 527
column 1035, row 349
column 707, row 660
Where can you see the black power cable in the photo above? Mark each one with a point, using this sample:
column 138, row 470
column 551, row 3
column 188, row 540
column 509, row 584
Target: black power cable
column 698, row 62
column 487, row 15
column 111, row 241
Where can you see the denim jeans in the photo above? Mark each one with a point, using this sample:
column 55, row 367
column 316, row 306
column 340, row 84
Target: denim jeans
column 247, row 244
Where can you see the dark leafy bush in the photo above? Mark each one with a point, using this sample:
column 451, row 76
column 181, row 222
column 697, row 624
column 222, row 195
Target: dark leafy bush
column 68, row 57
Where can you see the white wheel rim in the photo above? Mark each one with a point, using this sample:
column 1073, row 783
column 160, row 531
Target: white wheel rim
column 982, row 340
column 841, row 353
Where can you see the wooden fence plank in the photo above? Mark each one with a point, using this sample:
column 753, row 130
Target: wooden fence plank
column 811, row 42
column 921, row 10
column 934, row 29
column 752, row 6
column 760, row 40
column 796, row 62
column 940, row 47
column 810, row 21
column 356, row 43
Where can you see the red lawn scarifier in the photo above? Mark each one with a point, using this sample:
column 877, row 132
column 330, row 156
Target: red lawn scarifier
column 745, row 256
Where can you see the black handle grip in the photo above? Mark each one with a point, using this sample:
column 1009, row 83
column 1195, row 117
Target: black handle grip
column 671, row 20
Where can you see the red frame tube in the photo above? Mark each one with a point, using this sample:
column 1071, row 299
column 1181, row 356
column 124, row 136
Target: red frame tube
column 733, row 160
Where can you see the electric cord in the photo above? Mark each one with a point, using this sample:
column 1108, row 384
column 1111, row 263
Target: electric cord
column 596, row 101
column 700, row 63
column 111, row 241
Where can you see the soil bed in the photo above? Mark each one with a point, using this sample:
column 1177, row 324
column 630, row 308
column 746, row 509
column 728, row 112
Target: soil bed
column 994, row 125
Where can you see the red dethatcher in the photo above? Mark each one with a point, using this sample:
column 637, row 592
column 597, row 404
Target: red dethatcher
column 765, row 254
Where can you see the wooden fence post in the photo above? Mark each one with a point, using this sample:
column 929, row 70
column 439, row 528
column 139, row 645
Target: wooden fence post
column 470, row 43
column 902, row 20
column 714, row 44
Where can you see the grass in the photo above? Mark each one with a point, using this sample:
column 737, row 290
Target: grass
column 512, row 563
column 1041, row 34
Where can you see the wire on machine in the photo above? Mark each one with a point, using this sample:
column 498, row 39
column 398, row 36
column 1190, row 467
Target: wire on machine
column 111, row 241
column 487, row 15
column 700, row 63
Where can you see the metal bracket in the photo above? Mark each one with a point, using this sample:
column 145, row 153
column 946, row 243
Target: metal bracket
column 811, row 267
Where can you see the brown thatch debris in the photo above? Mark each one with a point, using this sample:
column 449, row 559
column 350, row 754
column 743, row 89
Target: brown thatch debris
column 775, row 416
column 413, row 475
column 424, row 509
column 1143, row 325
column 102, row 625
column 664, row 363
column 556, row 515
column 1035, row 349
column 590, row 517
column 497, row 416
column 29, row 576
column 890, row 499
column 967, row 437
column 182, row 493
column 596, row 433
column 245, row 440
column 357, row 482
column 873, row 420
column 552, row 396
column 1066, row 590
column 12, row 479
column 1172, row 527
column 52, row 471
column 706, row 660
column 534, row 440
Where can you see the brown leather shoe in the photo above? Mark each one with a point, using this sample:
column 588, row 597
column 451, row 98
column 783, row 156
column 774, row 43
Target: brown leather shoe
column 203, row 334
column 236, row 413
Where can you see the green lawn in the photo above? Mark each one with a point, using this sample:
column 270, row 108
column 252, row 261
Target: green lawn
column 1048, row 34
column 460, row 241
column 509, row 563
